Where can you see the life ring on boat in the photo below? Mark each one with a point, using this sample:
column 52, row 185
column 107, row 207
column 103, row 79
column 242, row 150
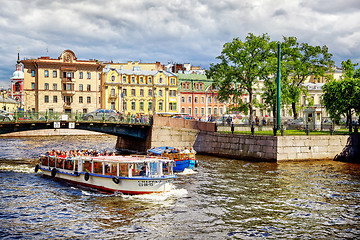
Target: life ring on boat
column 87, row 176
column 116, row 180
column 53, row 172
column 37, row 167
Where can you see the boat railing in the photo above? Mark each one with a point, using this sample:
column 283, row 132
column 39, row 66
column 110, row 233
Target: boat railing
column 179, row 156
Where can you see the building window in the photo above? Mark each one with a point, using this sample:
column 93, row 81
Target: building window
column 160, row 93
column 215, row 99
column 32, row 86
column 46, row 86
column 141, row 106
column 150, row 92
column 189, row 111
column 46, row 98
column 182, row 110
column 51, row 110
column 88, row 99
column 202, row 99
column 68, row 74
column 183, row 99
column 209, row 99
column 124, row 92
column 196, row 100
column 196, row 111
column 132, row 79
column 189, row 99
column 88, row 88
column 17, row 87
column 172, row 106
column 133, row 92
column 161, row 80
column 141, row 79
column 81, row 75
column 124, row 79
column 55, row 99
column 149, row 80
column 46, row 73
column 89, row 75
column 221, row 111
column 202, row 111
column 54, row 74
column 84, row 110
column 172, row 81
column 141, row 92
column 172, row 93
column 149, row 106
column 133, row 106
column 80, row 99
column 112, row 92
column 54, row 86
column 160, row 106
column 209, row 111
column 215, row 112
column 33, row 73
column 113, row 78
column 99, row 76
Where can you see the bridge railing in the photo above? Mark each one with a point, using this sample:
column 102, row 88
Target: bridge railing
column 77, row 117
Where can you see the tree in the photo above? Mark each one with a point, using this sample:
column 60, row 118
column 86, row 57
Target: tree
column 242, row 64
column 342, row 98
column 301, row 61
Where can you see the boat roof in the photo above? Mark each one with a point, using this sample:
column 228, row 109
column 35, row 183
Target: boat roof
column 159, row 150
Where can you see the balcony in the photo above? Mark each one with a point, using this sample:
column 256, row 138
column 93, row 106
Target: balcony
column 67, row 104
column 68, row 92
column 67, row 80
column 113, row 96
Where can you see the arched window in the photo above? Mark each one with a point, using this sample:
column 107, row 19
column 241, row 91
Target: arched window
column 17, row 87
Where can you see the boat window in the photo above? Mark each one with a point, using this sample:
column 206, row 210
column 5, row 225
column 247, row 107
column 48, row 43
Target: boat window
column 98, row 167
column 68, row 164
column 87, row 166
column 123, row 170
column 167, row 168
column 139, row 169
column 155, row 168
column 45, row 161
column 59, row 163
column 110, row 168
column 52, row 162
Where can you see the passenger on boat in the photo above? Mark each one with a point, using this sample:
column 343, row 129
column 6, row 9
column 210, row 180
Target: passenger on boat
column 143, row 171
column 192, row 150
column 186, row 150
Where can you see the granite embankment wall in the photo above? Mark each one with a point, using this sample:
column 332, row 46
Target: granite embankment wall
column 270, row 148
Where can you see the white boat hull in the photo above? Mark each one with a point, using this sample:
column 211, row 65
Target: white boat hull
column 125, row 185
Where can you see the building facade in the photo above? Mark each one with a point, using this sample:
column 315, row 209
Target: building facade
column 198, row 98
column 137, row 91
column 65, row 84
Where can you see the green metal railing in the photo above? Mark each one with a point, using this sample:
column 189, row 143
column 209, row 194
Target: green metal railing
column 78, row 117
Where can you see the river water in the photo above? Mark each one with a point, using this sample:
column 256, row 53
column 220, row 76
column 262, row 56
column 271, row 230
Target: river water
column 225, row 199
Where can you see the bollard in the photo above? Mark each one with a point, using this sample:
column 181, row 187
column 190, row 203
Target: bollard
column 232, row 128
column 307, row 130
column 331, row 130
column 282, row 130
column 252, row 129
column 274, row 130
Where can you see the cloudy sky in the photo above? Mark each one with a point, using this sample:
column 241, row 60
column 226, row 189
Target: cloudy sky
column 182, row 31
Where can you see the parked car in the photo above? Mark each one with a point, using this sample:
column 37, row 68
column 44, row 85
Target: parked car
column 110, row 115
column 6, row 116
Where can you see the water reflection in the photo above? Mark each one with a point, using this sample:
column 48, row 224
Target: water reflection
column 226, row 199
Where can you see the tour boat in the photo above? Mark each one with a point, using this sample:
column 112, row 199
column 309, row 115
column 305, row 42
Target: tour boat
column 116, row 174
column 182, row 160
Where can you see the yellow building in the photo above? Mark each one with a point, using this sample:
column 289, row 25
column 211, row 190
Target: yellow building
column 138, row 91
column 65, row 84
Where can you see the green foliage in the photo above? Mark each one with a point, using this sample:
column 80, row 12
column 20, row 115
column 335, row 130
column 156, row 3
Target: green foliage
column 342, row 98
column 242, row 64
